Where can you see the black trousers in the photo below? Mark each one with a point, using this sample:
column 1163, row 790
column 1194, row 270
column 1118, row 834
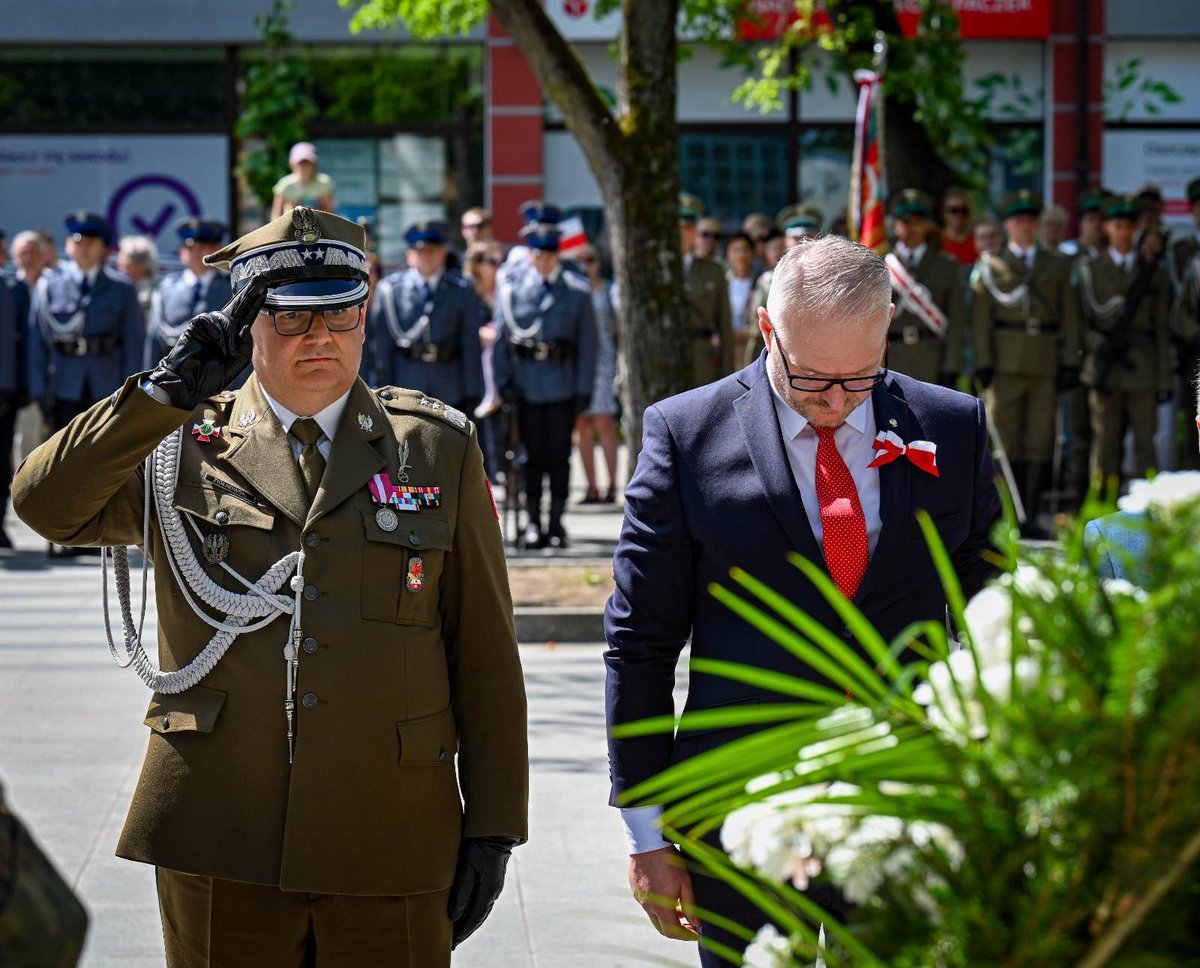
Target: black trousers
column 545, row 430
column 8, row 426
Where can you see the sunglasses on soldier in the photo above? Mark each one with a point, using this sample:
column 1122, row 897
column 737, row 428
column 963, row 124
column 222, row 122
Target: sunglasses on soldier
column 297, row 322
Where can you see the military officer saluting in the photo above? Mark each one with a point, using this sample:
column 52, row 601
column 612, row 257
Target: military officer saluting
column 545, row 360
column 300, row 796
column 926, row 337
column 1126, row 303
column 708, row 296
column 1025, row 319
column 87, row 325
column 197, row 288
column 424, row 324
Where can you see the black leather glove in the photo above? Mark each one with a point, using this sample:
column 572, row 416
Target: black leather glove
column 477, row 882
column 948, row 378
column 984, row 375
column 1165, row 396
column 1068, row 379
column 581, row 404
column 212, row 351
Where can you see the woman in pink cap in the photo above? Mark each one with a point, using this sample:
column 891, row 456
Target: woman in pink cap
column 305, row 185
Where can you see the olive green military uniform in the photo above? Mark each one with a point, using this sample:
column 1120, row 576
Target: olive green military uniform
column 758, row 298
column 913, row 348
column 712, row 319
column 393, row 680
column 1025, row 344
column 1128, row 399
column 1185, row 326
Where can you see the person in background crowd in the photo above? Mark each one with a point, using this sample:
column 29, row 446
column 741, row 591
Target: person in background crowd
column 49, row 249
column 137, row 257
column 14, row 316
column 1185, row 326
column 599, row 420
column 795, row 224
column 545, row 363
column 957, row 219
column 987, row 237
column 3, row 250
column 1090, row 240
column 476, row 225
column 305, row 185
column 1183, row 248
column 29, row 257
column 739, row 254
column 1052, row 228
column 708, row 238
column 482, row 266
column 1126, row 301
column 1150, row 208
column 704, row 286
column 774, row 245
column 926, row 335
column 1025, row 316
column 757, row 225
column 196, row 288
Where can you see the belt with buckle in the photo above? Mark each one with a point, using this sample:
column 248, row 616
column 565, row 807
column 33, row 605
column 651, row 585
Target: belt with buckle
column 81, row 346
column 430, row 353
column 1031, row 327
column 541, row 352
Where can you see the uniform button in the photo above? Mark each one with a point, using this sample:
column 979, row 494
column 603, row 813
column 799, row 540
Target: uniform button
column 442, row 755
column 311, row 593
column 312, row 539
column 309, row 645
column 310, row 700
column 385, row 395
column 222, row 517
column 414, row 539
column 166, row 722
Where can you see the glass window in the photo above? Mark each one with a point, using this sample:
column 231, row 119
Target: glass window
column 735, row 174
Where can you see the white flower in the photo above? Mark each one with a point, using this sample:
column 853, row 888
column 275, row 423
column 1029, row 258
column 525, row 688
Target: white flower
column 1165, row 493
column 769, row 949
column 1122, row 587
column 989, row 622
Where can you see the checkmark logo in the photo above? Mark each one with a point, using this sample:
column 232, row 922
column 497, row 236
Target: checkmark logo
column 153, row 228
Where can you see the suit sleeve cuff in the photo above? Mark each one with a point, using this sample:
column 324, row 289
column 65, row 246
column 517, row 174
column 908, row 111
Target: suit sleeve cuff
column 643, row 828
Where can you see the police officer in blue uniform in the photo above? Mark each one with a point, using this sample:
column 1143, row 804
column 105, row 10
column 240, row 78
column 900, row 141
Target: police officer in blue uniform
column 546, row 362
column 86, row 326
column 423, row 327
column 195, row 289
column 14, row 312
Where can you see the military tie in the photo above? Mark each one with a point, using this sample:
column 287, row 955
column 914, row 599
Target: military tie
column 426, row 293
column 312, row 464
column 85, row 287
column 197, row 288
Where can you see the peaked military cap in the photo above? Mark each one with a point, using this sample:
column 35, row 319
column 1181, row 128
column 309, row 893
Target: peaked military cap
column 1149, row 193
column 310, row 260
column 912, row 201
column 1193, row 190
column 80, row 224
column 1122, row 206
column 690, row 208
column 797, row 221
column 1093, row 200
column 195, row 229
column 431, row 231
column 1022, row 202
column 541, row 229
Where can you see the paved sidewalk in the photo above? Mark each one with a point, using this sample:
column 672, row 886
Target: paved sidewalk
column 72, row 739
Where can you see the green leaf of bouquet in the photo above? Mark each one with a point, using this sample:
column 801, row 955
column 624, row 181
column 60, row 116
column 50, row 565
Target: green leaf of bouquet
column 769, row 679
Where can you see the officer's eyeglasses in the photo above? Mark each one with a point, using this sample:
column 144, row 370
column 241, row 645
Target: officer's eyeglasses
column 710, row 235
column 297, row 322
column 818, row 384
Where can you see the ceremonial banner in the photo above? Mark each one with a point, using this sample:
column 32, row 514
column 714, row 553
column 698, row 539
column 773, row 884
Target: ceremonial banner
column 868, row 190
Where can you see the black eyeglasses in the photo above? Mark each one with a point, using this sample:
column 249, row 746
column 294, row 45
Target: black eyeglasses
column 478, row 260
column 812, row 384
column 297, row 322
column 472, row 226
column 710, row 235
column 957, row 210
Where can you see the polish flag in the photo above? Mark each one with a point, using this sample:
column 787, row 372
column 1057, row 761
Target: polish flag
column 571, row 233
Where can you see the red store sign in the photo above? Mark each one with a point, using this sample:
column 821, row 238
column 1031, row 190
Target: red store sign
column 978, row 19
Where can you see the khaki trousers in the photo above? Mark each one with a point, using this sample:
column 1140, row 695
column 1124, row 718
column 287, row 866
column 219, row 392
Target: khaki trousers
column 1136, row 409
column 1024, row 410
column 213, row 923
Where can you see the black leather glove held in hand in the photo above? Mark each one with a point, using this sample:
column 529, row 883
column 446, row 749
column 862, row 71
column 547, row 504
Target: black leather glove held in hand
column 212, row 351
column 477, row 882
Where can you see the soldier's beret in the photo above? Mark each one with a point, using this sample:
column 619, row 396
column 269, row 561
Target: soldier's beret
column 91, row 224
column 1122, row 206
column 427, row 232
column 1093, row 200
column 195, row 229
column 1022, row 202
column 912, row 201
column 690, row 207
column 1193, row 190
column 310, row 260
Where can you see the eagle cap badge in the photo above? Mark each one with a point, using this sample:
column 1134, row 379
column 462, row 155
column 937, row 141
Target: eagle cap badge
column 304, row 225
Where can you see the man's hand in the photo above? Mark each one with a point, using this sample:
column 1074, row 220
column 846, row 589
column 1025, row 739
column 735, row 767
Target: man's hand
column 212, row 351
column 478, row 881
column 663, row 888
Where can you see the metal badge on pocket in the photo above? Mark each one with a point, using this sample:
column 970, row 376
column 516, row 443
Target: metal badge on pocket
column 415, row 579
column 216, row 547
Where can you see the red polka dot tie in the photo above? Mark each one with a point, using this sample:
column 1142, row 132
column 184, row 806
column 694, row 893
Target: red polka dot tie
column 842, row 519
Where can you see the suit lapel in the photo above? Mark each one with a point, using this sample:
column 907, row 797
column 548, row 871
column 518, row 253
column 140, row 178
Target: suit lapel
column 353, row 457
column 764, row 440
column 262, row 454
column 895, row 480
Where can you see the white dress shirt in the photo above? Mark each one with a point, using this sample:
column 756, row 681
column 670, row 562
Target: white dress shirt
column 643, row 825
column 912, row 257
column 327, row 419
column 740, row 289
column 78, row 274
column 1025, row 255
column 1122, row 262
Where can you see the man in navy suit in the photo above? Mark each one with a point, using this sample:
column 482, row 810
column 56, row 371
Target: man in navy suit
column 742, row 472
column 86, row 326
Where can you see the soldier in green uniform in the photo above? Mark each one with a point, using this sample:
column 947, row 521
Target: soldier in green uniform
column 301, row 796
column 1126, row 302
column 1025, row 321
column 926, row 336
column 797, row 223
column 708, row 296
column 1182, row 257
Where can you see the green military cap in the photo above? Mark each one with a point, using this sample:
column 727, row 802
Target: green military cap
column 1150, row 193
column 690, row 207
column 1022, row 202
column 797, row 221
column 1193, row 190
column 912, row 201
column 1093, row 200
column 310, row 259
column 1122, row 206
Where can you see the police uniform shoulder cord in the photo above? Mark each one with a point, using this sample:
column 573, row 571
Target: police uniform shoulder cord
column 1111, row 306
column 242, row 612
column 158, row 321
column 510, row 320
column 51, row 327
column 404, row 338
column 1009, row 300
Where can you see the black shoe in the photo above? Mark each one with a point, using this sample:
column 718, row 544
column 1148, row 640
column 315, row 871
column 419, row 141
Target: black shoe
column 532, row 536
column 610, row 496
column 592, row 497
column 557, row 541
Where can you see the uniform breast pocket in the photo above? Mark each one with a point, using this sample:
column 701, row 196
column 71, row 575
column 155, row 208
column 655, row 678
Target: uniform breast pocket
column 226, row 527
column 402, row 568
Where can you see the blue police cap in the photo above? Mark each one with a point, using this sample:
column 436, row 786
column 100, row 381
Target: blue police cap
column 541, row 225
column 89, row 223
column 196, row 229
column 427, row 232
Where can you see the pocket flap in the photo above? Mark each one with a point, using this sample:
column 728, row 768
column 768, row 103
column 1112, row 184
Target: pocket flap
column 430, row 739
column 194, row 710
column 207, row 503
column 415, row 531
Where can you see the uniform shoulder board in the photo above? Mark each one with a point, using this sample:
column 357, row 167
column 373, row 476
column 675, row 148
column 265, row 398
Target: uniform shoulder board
column 577, row 282
column 399, row 400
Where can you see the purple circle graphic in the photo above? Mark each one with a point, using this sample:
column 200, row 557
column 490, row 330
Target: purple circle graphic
column 157, row 221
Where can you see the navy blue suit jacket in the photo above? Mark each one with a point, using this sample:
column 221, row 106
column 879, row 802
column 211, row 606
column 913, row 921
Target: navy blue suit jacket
column 713, row 489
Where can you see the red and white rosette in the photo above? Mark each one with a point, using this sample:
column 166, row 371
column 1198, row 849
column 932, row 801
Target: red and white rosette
column 890, row 446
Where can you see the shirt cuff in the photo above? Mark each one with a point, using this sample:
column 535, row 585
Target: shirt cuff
column 643, row 828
